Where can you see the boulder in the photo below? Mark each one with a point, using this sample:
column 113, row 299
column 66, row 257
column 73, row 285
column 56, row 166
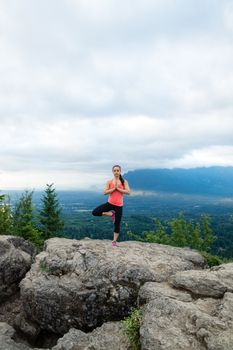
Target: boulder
column 16, row 256
column 152, row 290
column 212, row 282
column 109, row 336
column 178, row 316
column 82, row 284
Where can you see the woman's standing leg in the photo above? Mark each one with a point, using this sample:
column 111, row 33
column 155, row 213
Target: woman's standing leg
column 118, row 215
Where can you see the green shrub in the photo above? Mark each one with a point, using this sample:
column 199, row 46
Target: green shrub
column 131, row 327
column 212, row 260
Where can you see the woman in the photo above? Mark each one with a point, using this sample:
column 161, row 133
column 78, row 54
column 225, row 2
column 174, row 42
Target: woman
column 116, row 188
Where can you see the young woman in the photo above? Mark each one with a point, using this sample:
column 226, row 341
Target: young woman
column 115, row 188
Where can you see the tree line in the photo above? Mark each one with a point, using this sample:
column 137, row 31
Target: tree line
column 24, row 220
column 179, row 232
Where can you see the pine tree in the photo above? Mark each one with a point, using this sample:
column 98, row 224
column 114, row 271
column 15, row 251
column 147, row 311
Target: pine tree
column 23, row 219
column 179, row 231
column 208, row 235
column 157, row 236
column 6, row 220
column 51, row 223
column 195, row 235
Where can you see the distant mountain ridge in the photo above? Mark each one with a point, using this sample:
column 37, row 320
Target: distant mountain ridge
column 215, row 181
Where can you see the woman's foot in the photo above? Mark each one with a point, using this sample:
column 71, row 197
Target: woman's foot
column 114, row 244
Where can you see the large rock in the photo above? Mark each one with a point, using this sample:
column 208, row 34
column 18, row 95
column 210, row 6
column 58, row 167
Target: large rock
column 16, row 256
column 153, row 290
column 83, row 284
column 76, row 286
column 214, row 282
column 198, row 316
column 110, row 337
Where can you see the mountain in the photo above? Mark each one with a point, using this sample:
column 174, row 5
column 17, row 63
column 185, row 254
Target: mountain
column 216, row 181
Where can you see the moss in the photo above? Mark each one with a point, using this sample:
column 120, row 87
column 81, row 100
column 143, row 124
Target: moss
column 44, row 267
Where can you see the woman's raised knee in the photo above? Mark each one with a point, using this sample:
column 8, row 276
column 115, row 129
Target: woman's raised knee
column 96, row 212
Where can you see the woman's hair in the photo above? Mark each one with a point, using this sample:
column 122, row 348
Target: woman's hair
column 121, row 178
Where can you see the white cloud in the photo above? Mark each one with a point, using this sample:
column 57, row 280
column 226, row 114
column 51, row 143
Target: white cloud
column 206, row 157
column 86, row 84
column 228, row 14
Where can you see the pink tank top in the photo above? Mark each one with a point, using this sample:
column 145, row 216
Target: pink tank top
column 116, row 197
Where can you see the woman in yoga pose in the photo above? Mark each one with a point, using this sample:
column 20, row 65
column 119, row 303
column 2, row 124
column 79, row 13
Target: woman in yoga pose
column 115, row 188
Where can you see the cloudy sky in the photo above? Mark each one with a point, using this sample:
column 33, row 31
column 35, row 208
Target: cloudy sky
column 85, row 84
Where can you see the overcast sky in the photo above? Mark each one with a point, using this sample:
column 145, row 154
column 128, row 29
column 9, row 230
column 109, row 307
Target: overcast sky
column 85, row 84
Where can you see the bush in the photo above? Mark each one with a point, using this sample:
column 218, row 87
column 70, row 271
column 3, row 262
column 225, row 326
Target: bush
column 131, row 327
column 212, row 260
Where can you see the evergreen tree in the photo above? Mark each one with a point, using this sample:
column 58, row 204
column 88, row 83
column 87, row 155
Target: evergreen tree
column 51, row 223
column 23, row 219
column 208, row 235
column 179, row 231
column 154, row 236
column 157, row 236
column 190, row 232
column 195, row 233
column 6, row 220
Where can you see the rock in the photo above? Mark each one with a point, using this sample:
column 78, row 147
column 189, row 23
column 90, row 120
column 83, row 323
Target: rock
column 10, row 308
column 79, row 286
column 27, row 327
column 153, row 290
column 169, row 324
column 162, row 326
column 188, row 318
column 7, row 339
column 83, row 284
column 212, row 282
column 226, row 308
column 110, row 336
column 16, row 256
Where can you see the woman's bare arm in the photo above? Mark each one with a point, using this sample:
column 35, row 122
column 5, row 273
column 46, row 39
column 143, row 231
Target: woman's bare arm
column 126, row 189
column 107, row 189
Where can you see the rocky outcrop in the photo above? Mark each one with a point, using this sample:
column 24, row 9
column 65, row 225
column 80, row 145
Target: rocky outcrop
column 78, row 290
column 16, row 256
column 198, row 316
column 82, row 284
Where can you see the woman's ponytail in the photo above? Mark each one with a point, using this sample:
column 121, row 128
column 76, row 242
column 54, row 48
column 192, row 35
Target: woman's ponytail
column 122, row 180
